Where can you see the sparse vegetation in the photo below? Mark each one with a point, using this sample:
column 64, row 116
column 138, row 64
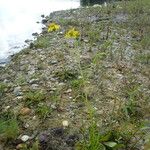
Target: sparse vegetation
column 3, row 86
column 9, row 127
column 43, row 111
column 66, row 74
column 34, row 97
column 41, row 42
column 98, row 81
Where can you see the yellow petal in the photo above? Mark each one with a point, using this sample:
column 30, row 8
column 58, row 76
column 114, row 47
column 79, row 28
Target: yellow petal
column 53, row 27
column 72, row 33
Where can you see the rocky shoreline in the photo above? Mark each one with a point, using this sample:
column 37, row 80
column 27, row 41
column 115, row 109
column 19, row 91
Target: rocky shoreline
column 57, row 87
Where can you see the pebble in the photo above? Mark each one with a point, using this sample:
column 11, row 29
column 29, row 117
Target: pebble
column 26, row 125
column 6, row 81
column 69, row 91
column 34, row 86
column 33, row 81
column 17, row 91
column 19, row 97
column 34, row 118
column 65, row 123
column 25, row 138
column 43, row 138
column 6, row 108
column 53, row 62
column 61, row 84
column 53, row 106
column 20, row 146
column 86, row 41
column 25, row 111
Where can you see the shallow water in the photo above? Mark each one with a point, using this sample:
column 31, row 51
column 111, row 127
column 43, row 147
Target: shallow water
column 18, row 21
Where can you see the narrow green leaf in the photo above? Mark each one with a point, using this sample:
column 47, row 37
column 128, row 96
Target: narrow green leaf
column 110, row 144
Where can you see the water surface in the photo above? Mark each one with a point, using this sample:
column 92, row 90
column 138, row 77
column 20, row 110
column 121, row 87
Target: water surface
column 18, row 21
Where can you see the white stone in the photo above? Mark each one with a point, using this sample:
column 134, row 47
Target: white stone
column 69, row 91
column 25, row 138
column 97, row 5
column 6, row 108
column 65, row 123
column 105, row 4
column 26, row 125
column 34, row 117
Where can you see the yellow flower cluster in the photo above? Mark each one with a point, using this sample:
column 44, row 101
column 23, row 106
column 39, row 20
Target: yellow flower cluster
column 53, row 27
column 72, row 33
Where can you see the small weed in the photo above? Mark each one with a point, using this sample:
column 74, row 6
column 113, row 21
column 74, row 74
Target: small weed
column 145, row 129
column 78, row 87
column 34, row 97
column 42, row 42
column 20, row 80
column 9, row 129
column 143, row 58
column 93, row 35
column 43, row 111
column 131, row 108
column 66, row 75
column 34, row 146
column 3, row 86
column 80, row 96
column 145, row 42
column 98, row 57
column 137, row 7
column 92, row 141
column 56, row 96
column 69, row 22
column 77, row 83
column 99, row 141
column 126, row 131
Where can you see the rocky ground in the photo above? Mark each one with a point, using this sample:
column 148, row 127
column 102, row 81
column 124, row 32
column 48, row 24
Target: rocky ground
column 55, row 90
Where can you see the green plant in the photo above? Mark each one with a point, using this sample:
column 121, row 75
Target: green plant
column 9, row 125
column 99, row 141
column 56, row 96
column 93, row 35
column 136, row 7
column 99, row 57
column 3, row 86
column 43, row 111
column 69, row 22
column 143, row 58
column 9, row 129
column 42, row 42
column 34, row 97
column 34, row 146
column 92, row 141
column 66, row 75
column 77, row 84
column 20, row 80
column 131, row 106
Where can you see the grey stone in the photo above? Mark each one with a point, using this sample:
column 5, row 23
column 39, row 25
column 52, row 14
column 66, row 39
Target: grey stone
column 17, row 91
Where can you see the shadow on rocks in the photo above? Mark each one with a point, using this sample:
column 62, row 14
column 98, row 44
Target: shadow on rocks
column 57, row 139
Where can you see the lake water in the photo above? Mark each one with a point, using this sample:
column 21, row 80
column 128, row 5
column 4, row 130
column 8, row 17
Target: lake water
column 18, row 21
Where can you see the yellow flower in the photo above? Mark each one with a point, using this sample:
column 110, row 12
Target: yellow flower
column 72, row 33
column 53, row 27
